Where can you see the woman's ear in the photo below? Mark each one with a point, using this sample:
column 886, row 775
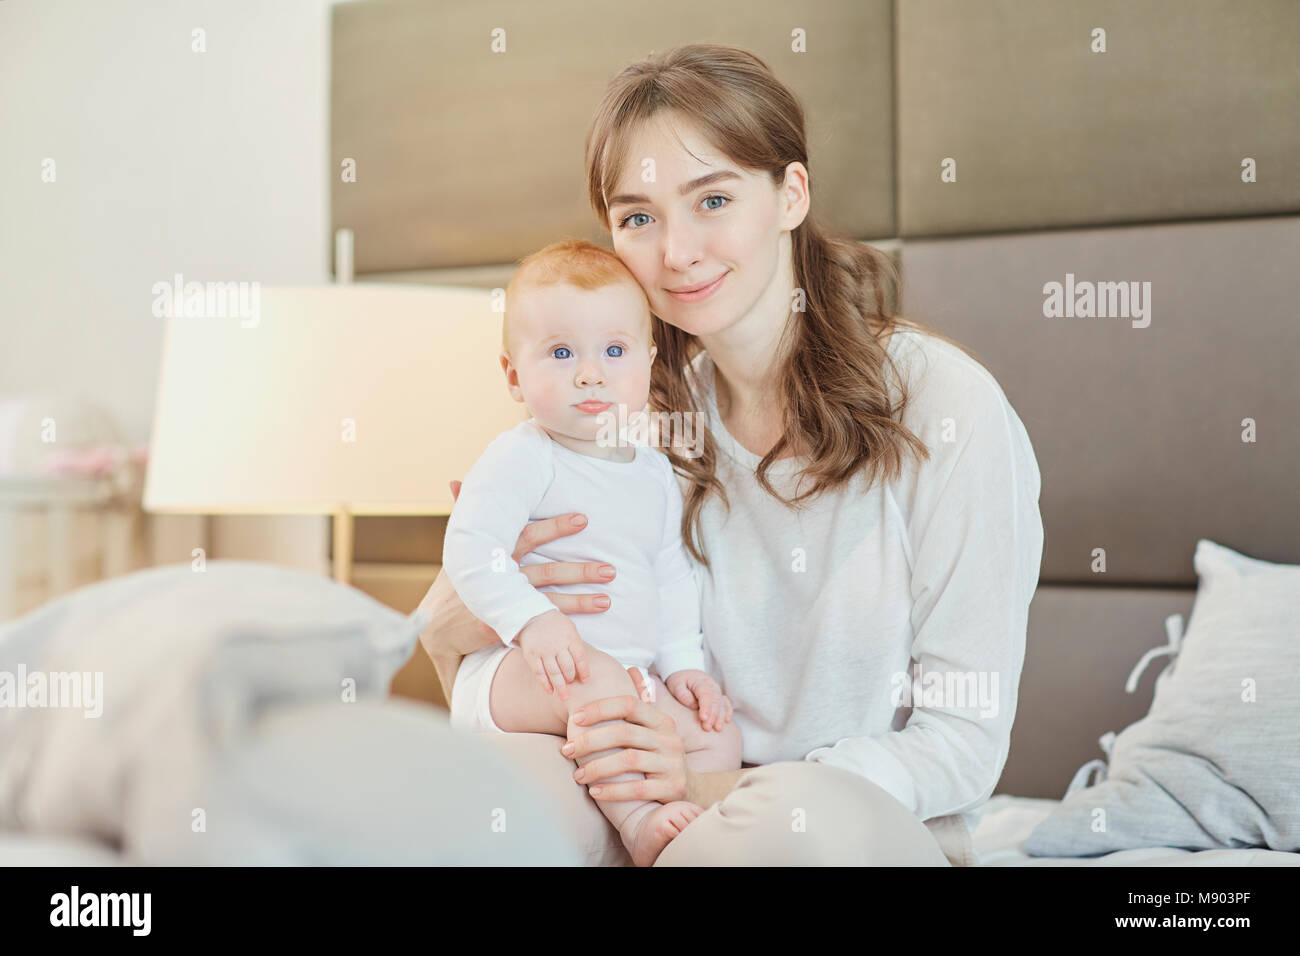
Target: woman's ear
column 796, row 197
column 653, row 352
column 512, row 377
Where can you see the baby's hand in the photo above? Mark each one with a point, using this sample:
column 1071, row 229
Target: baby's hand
column 698, row 691
column 554, row 651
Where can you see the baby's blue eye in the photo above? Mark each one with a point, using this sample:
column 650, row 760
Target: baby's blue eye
column 615, row 351
column 561, row 348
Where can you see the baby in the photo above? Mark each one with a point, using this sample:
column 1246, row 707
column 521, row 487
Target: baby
column 577, row 343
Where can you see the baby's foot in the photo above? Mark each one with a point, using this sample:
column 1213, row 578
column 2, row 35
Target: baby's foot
column 645, row 838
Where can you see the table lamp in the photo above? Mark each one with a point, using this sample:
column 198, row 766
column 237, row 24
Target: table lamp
column 342, row 400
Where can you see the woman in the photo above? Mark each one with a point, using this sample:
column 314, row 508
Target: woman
column 864, row 514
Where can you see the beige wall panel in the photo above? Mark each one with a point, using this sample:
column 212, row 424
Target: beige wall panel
column 1046, row 133
column 1138, row 431
column 467, row 157
column 1076, row 633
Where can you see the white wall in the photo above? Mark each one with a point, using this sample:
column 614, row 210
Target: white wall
column 212, row 164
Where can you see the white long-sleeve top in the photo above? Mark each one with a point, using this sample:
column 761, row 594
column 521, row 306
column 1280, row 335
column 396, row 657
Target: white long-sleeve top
column 634, row 513
column 819, row 623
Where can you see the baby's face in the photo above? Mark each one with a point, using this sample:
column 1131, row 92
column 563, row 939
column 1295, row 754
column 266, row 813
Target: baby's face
column 578, row 353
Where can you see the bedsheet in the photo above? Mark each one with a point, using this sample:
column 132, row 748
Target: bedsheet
column 999, row 840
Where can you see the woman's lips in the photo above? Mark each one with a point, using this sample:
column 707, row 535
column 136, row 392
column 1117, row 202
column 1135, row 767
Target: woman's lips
column 704, row 293
column 592, row 407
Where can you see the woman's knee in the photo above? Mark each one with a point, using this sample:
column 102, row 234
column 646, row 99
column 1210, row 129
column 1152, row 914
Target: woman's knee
column 799, row 813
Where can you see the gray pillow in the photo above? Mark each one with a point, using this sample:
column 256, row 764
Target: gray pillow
column 1215, row 763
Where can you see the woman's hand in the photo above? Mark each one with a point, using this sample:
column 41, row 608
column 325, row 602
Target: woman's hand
column 652, row 748
column 454, row 632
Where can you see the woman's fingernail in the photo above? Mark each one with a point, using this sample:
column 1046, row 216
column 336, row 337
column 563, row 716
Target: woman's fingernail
column 606, row 571
column 595, row 791
column 579, row 521
column 602, row 602
column 567, row 749
column 577, row 718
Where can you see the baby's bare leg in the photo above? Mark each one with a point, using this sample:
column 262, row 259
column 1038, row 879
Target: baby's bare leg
column 519, row 705
column 706, row 750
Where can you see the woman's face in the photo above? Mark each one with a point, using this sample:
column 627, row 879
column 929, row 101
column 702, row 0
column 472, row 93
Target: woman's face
column 677, row 233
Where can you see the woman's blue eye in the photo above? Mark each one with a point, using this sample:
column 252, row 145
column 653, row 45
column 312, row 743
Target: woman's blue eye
column 623, row 223
column 560, row 348
column 616, row 351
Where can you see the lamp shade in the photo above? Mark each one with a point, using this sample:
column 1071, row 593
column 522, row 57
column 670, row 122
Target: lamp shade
column 362, row 397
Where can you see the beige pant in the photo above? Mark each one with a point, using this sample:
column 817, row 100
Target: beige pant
column 800, row 813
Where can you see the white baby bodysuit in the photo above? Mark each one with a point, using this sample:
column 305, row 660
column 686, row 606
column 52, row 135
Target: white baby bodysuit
column 633, row 511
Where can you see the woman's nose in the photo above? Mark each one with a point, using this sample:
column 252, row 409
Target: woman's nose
column 680, row 247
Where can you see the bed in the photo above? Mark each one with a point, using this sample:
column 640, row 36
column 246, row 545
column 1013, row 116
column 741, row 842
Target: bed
column 227, row 701
column 998, row 840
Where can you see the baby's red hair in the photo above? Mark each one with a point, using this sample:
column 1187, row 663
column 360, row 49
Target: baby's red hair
column 574, row 262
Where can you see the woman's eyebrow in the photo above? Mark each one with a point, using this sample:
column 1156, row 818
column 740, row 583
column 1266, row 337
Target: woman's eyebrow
column 628, row 199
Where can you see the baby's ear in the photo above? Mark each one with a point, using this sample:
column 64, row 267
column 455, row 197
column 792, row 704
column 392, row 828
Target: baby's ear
column 512, row 377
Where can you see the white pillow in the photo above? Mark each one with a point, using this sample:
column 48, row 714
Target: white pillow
column 1216, row 762
column 182, row 663
column 376, row 783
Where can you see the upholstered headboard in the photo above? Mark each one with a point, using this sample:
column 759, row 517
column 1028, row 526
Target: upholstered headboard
column 995, row 148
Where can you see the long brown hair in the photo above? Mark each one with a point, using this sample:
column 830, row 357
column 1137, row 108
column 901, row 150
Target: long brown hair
column 831, row 368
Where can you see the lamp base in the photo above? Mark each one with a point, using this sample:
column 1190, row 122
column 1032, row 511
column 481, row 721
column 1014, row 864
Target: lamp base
column 343, row 538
